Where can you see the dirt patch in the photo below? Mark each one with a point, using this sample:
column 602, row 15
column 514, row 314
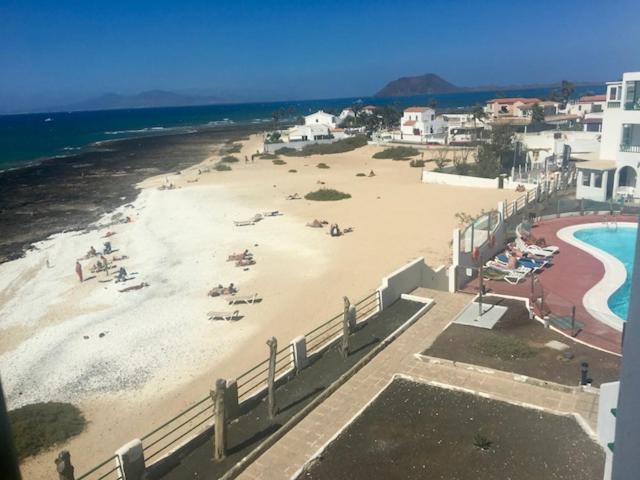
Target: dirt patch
column 517, row 344
column 416, row 431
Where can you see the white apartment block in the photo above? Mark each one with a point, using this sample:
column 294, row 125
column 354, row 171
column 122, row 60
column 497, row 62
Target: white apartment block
column 615, row 173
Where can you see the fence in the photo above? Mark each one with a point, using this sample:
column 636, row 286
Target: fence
column 177, row 433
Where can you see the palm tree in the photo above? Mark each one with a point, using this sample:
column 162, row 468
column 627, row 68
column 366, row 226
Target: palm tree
column 477, row 113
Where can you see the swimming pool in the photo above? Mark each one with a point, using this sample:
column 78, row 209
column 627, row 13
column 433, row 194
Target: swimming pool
column 619, row 243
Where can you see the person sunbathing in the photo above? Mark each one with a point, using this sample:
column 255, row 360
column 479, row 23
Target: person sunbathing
column 216, row 291
column 335, row 230
column 135, row 287
column 295, row 196
column 315, row 224
column 245, row 262
column 121, row 276
column 92, row 253
column 512, row 263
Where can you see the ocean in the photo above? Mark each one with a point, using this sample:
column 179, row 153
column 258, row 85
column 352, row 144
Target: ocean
column 28, row 138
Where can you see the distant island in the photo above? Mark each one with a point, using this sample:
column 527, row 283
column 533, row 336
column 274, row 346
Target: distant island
column 150, row 98
column 431, row 84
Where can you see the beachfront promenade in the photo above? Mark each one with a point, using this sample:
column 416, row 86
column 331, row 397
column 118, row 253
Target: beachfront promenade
column 288, row 456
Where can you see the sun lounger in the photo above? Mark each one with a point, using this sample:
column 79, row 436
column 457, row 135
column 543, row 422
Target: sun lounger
column 244, row 223
column 545, row 252
column 257, row 217
column 512, row 276
column 532, row 263
column 228, row 316
column 249, row 299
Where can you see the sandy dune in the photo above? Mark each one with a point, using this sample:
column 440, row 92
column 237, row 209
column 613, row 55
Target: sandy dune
column 159, row 352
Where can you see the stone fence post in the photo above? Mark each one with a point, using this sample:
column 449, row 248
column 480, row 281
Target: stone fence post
column 130, row 457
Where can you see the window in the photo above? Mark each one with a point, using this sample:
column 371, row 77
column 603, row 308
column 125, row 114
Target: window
column 613, row 93
column 586, row 178
column 632, row 97
column 598, row 179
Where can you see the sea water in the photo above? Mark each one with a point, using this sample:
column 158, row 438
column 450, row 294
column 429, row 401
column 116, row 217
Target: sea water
column 28, row 137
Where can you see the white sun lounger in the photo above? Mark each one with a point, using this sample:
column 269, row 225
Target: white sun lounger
column 512, row 276
column 250, row 299
column 272, row 213
column 535, row 249
column 244, row 223
column 228, row 316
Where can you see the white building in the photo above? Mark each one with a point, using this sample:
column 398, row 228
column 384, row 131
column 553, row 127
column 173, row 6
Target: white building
column 620, row 145
column 586, row 104
column 461, row 128
column 321, row 118
column 309, row 133
column 346, row 113
column 420, row 125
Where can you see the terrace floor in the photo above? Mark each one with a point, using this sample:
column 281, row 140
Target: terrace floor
column 573, row 273
column 288, row 456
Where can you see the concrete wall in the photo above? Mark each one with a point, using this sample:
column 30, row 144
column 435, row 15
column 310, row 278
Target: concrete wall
column 273, row 147
column 413, row 275
column 607, row 421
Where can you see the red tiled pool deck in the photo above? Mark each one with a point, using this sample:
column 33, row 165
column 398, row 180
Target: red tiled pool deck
column 572, row 274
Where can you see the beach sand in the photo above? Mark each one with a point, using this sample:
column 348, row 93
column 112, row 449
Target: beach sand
column 158, row 353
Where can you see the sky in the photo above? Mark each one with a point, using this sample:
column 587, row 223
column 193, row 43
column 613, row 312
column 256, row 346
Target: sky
column 57, row 52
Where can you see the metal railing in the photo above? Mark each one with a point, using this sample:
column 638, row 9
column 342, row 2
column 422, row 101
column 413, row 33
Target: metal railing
column 173, row 433
column 629, row 148
column 103, row 472
column 197, row 418
column 368, row 306
column 613, row 104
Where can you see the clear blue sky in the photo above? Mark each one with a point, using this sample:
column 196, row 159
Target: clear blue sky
column 52, row 51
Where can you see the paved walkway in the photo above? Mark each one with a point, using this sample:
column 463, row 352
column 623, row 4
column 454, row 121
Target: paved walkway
column 303, row 441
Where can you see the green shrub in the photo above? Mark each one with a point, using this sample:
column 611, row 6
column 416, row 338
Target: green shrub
column 221, row 167
column 40, row 426
column 326, row 195
column 481, row 442
column 504, row 347
column 277, row 161
column 361, row 174
column 233, row 148
column 229, row 159
column 339, row 146
column 416, row 163
column 322, row 165
column 293, row 170
column 397, row 153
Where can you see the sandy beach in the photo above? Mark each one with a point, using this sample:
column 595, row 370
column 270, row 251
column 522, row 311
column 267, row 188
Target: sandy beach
column 130, row 360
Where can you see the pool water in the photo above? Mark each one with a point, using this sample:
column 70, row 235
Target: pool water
column 621, row 244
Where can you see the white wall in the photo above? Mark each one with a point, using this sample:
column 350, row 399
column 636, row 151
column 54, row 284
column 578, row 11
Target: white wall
column 413, row 275
column 606, row 421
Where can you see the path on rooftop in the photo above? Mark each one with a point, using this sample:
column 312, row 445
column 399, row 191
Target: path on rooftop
column 302, row 442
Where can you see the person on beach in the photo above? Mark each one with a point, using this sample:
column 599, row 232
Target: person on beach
column 122, row 275
column 315, row 224
column 335, row 230
column 107, row 248
column 372, row 173
column 92, row 252
column 79, row 270
column 246, row 159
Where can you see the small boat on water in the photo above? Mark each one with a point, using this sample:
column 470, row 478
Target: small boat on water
column 48, row 119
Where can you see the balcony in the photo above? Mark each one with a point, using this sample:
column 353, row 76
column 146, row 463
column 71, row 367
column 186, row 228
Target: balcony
column 632, row 105
column 613, row 104
column 630, row 148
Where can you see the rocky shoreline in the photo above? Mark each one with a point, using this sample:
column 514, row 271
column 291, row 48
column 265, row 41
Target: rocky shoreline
column 70, row 193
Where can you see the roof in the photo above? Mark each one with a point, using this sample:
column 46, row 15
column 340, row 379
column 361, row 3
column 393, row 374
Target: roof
column 416, row 109
column 593, row 98
column 596, row 164
column 319, row 112
column 409, row 123
column 593, row 120
column 369, row 107
column 511, row 100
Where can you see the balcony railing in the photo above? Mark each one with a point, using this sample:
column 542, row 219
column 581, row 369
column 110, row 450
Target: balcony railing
column 632, row 105
column 630, row 148
column 613, row 104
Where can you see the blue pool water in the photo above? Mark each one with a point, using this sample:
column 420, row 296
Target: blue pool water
column 620, row 244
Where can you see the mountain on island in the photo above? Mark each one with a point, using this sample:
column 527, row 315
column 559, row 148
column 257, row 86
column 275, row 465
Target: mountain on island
column 148, row 99
column 427, row 84
column 430, row 84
